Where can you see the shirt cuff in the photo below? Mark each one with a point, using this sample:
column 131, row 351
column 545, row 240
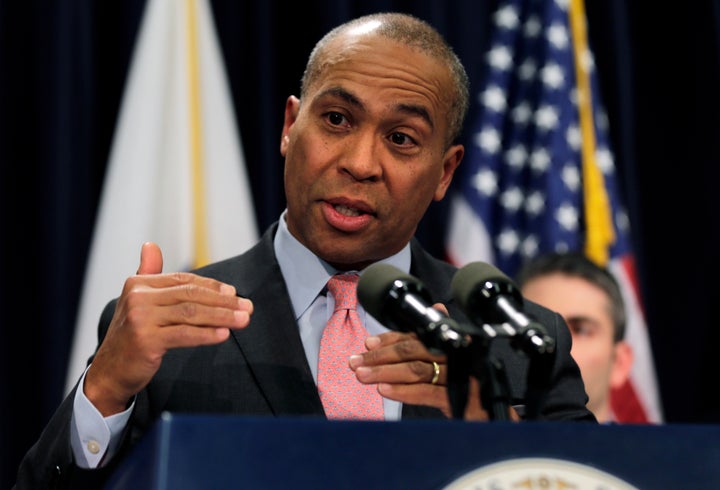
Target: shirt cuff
column 94, row 438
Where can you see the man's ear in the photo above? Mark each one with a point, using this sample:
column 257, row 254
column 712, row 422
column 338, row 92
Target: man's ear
column 622, row 364
column 292, row 106
column 451, row 160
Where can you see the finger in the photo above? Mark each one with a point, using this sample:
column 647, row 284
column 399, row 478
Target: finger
column 190, row 336
column 184, row 282
column 417, row 394
column 394, row 336
column 185, row 305
column 437, row 396
column 199, row 315
column 192, row 324
column 151, row 261
column 401, row 349
column 406, row 372
column 474, row 409
column 441, row 307
column 161, row 292
column 388, row 338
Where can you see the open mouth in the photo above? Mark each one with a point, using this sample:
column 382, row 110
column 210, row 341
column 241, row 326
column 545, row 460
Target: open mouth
column 348, row 217
column 347, row 211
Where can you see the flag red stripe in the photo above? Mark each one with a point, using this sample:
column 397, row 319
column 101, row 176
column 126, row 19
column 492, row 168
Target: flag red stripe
column 626, row 405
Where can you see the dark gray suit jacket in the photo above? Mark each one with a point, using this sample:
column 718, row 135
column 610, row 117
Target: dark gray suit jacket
column 262, row 369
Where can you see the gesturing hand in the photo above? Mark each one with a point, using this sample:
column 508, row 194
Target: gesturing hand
column 407, row 372
column 157, row 312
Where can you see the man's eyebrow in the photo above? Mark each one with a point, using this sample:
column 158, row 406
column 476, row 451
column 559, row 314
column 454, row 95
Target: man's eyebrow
column 581, row 319
column 342, row 94
column 411, row 109
column 416, row 110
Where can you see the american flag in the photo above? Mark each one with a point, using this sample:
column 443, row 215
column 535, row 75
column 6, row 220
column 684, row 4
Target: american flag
column 539, row 173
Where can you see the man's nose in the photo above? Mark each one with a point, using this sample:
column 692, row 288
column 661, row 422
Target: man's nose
column 362, row 158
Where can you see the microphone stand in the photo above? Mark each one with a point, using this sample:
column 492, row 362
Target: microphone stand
column 495, row 389
column 458, row 378
column 533, row 340
column 455, row 342
column 472, row 359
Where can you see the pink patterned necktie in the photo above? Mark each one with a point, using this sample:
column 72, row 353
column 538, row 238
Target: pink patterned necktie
column 342, row 395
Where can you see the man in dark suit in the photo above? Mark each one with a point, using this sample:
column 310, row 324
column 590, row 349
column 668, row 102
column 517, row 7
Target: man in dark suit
column 368, row 146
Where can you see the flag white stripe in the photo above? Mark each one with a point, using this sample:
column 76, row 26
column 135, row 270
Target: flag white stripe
column 467, row 237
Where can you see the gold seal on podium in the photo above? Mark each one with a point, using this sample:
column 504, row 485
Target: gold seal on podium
column 540, row 474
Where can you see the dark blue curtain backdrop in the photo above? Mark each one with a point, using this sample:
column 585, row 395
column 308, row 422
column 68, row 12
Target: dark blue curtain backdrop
column 62, row 70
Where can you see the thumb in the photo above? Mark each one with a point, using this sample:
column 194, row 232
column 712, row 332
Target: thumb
column 151, row 261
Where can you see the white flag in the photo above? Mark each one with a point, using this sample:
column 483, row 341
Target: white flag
column 176, row 172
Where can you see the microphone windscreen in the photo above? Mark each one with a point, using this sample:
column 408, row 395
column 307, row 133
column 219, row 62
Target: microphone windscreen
column 472, row 275
column 375, row 284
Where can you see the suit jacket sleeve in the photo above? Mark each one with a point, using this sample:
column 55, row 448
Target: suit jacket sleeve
column 49, row 463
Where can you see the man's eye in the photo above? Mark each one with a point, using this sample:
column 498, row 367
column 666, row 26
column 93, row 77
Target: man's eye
column 582, row 329
column 335, row 118
column 401, row 139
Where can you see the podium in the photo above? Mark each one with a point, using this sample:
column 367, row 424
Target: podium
column 221, row 451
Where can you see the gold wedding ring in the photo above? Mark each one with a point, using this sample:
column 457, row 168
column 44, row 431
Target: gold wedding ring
column 436, row 374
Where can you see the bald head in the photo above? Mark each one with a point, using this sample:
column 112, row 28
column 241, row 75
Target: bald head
column 410, row 31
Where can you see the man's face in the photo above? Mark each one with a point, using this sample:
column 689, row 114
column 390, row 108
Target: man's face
column 365, row 150
column 586, row 309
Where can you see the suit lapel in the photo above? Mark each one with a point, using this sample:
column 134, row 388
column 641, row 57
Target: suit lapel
column 271, row 344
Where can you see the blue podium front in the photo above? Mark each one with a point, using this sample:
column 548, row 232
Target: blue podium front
column 220, row 452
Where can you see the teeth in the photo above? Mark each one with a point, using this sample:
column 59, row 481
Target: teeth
column 346, row 210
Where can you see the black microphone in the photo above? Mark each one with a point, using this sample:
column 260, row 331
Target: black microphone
column 401, row 302
column 489, row 296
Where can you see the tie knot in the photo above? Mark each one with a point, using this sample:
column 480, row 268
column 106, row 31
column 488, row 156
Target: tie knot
column 343, row 287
